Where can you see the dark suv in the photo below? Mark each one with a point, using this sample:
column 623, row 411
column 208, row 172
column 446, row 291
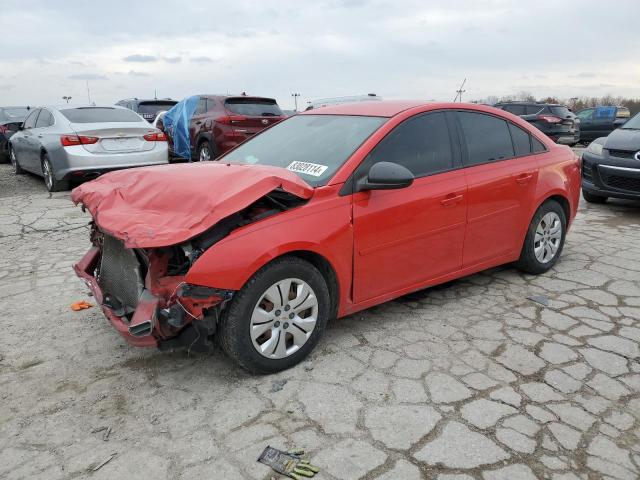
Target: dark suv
column 147, row 109
column 10, row 120
column 556, row 121
column 221, row 122
column 596, row 122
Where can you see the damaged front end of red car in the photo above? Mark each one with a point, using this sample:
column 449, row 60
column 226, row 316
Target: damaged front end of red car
column 143, row 294
column 150, row 225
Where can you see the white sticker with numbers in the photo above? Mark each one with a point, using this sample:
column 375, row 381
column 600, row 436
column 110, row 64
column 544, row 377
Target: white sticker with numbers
column 307, row 168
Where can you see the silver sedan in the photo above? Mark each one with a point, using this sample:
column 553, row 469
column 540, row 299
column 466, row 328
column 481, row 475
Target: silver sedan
column 69, row 143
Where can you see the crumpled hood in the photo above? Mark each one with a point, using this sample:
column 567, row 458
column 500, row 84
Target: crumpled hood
column 169, row 204
column 621, row 139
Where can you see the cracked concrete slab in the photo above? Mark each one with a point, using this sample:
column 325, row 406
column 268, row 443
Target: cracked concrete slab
column 468, row 380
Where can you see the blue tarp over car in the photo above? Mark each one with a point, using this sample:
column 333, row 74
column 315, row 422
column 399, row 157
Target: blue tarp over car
column 176, row 122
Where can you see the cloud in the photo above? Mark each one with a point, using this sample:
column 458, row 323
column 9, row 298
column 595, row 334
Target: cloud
column 202, row 59
column 172, row 59
column 133, row 73
column 584, row 75
column 140, row 58
column 7, row 86
column 87, row 76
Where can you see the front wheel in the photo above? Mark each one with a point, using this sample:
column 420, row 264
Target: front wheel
column 205, row 152
column 277, row 318
column 544, row 240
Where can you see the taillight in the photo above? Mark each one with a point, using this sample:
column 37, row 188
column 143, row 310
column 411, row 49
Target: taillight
column 231, row 119
column 71, row 140
column 155, row 137
column 549, row 118
column 4, row 129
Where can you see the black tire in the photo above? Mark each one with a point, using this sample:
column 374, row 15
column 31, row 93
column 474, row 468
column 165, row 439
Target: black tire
column 593, row 198
column 17, row 169
column 528, row 261
column 205, row 146
column 4, row 152
column 50, row 181
column 234, row 333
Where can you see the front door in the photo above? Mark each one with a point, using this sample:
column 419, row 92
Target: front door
column 405, row 237
column 28, row 149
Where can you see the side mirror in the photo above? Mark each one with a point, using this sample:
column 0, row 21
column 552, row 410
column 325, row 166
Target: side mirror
column 385, row 176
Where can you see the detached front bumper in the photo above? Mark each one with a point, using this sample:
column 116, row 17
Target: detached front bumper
column 166, row 309
column 84, row 269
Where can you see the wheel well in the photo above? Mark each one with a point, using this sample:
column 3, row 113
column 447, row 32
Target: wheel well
column 327, row 271
column 564, row 203
column 42, row 153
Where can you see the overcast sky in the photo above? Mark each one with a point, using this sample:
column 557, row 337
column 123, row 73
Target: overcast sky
column 325, row 48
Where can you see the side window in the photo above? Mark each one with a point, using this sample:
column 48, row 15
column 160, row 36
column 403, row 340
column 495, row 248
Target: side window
column 533, row 109
column 515, row 109
column 586, row 114
column 30, row 121
column 202, row 106
column 604, row 113
column 45, row 119
column 420, row 144
column 521, row 140
column 487, row 138
column 537, row 145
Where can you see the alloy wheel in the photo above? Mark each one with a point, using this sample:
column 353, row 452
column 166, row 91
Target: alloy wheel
column 48, row 174
column 205, row 153
column 548, row 237
column 14, row 162
column 284, row 318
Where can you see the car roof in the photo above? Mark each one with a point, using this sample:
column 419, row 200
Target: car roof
column 390, row 108
column 223, row 97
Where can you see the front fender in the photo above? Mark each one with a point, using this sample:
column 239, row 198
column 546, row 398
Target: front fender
column 327, row 232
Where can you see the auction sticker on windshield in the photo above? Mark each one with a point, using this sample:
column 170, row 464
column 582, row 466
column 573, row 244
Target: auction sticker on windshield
column 307, row 168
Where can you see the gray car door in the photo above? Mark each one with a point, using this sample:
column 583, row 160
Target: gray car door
column 27, row 147
column 41, row 130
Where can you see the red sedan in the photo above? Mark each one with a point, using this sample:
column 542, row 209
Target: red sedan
column 324, row 214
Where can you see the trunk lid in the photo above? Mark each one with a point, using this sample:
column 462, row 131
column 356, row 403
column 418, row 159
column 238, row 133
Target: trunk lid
column 116, row 138
column 250, row 115
column 166, row 205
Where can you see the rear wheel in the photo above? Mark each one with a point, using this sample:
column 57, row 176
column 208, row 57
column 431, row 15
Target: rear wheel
column 49, row 174
column 545, row 239
column 4, row 152
column 205, row 152
column 17, row 169
column 593, row 198
column 277, row 318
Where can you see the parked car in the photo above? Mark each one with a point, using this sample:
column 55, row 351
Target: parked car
column 611, row 165
column 325, row 102
column 66, row 143
column 219, row 123
column 556, row 121
column 596, row 122
column 10, row 120
column 147, row 108
column 326, row 213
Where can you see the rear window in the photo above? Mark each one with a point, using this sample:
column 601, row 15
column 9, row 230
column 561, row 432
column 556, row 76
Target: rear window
column 14, row 114
column 561, row 111
column 154, row 107
column 254, row 107
column 100, row 114
column 515, row 109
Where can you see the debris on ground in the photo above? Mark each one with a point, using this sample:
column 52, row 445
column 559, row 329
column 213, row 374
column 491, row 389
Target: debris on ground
column 100, row 465
column 291, row 463
column 278, row 385
column 541, row 299
column 81, row 305
column 106, row 434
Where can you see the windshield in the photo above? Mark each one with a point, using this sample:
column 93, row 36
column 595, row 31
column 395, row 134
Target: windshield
column 312, row 146
column 14, row 114
column 100, row 114
column 633, row 123
column 154, row 107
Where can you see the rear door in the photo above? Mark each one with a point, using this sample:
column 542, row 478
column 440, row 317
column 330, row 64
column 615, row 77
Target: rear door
column 603, row 119
column 199, row 120
column 403, row 238
column 501, row 176
column 41, row 133
column 587, row 128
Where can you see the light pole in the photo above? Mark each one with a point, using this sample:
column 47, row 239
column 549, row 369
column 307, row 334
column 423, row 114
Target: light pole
column 295, row 100
column 66, row 98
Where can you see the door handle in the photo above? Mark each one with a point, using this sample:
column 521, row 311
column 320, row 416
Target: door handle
column 451, row 200
column 198, row 122
column 524, row 178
